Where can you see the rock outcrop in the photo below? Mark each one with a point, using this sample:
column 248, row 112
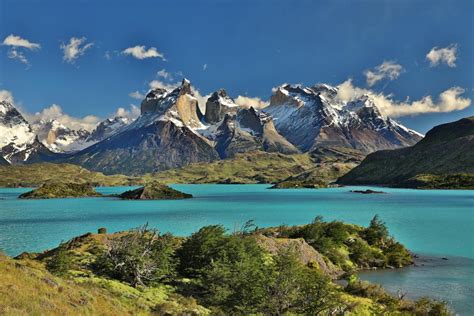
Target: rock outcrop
column 306, row 254
column 154, row 191
column 218, row 105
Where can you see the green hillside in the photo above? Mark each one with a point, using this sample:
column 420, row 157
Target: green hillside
column 447, row 149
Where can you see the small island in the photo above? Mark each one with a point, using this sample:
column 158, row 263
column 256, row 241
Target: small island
column 154, row 191
column 299, row 185
column 57, row 190
column 368, row 191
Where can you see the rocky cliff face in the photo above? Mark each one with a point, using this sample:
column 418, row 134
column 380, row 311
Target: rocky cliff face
column 249, row 130
column 311, row 117
column 107, row 128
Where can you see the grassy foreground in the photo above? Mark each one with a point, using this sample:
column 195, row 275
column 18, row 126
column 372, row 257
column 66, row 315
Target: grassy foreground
column 273, row 271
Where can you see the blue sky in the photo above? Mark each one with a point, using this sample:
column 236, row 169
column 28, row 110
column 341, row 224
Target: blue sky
column 248, row 47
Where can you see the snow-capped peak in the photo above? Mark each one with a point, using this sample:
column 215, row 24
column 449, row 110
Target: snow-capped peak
column 16, row 134
column 305, row 114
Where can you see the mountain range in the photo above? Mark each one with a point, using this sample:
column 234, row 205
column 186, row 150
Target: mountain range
column 173, row 132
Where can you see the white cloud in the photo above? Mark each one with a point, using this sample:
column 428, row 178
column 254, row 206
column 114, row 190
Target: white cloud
column 158, row 84
column 6, row 95
column 247, row 102
column 164, row 74
column 108, row 55
column 445, row 55
column 13, row 53
column 17, row 41
column 17, row 46
column 386, row 70
column 131, row 114
column 204, row 67
column 75, row 48
column 448, row 101
column 136, row 95
column 55, row 112
column 140, row 52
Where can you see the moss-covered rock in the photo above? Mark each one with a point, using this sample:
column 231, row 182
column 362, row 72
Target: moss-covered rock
column 54, row 190
column 154, row 191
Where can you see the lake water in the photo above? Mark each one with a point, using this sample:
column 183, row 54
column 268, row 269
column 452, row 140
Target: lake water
column 438, row 223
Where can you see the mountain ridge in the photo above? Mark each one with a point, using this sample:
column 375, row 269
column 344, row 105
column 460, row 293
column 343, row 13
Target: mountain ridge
column 172, row 132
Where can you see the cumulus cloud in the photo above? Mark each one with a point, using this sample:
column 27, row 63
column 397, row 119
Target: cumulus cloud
column 55, row 112
column 387, row 70
column 445, row 55
column 140, row 52
column 131, row 113
column 17, row 47
column 6, row 95
column 448, row 101
column 17, row 41
column 136, row 95
column 75, row 48
column 247, row 102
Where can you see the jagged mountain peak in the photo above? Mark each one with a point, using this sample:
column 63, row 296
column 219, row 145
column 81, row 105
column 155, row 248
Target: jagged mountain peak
column 18, row 142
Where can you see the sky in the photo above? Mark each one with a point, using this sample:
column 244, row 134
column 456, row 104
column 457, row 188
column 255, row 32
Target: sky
column 82, row 60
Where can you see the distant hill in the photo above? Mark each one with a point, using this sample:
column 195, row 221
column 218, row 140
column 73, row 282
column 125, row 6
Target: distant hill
column 249, row 167
column 36, row 174
column 447, row 149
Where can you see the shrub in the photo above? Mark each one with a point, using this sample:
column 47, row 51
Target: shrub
column 102, row 230
column 397, row 255
column 60, row 263
column 429, row 307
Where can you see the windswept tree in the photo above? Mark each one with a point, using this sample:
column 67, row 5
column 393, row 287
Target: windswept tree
column 141, row 257
column 377, row 232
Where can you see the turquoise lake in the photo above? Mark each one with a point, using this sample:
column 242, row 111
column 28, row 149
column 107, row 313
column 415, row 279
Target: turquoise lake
column 436, row 223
